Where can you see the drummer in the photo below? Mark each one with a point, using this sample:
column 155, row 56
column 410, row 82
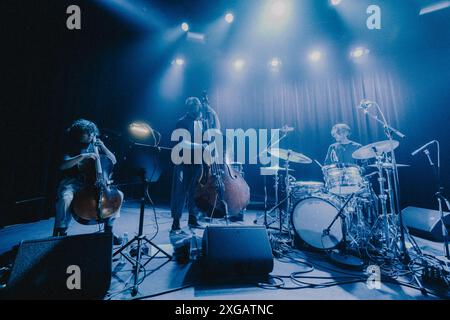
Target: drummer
column 341, row 151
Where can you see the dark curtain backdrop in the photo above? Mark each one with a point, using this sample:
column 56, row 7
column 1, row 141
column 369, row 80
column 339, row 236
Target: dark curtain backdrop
column 312, row 107
column 110, row 73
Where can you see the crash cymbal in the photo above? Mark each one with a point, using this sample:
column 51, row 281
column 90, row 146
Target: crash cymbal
column 372, row 150
column 388, row 165
column 289, row 155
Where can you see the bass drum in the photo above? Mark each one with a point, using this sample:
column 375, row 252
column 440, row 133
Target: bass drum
column 312, row 215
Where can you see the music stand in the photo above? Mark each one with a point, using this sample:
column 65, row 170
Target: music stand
column 146, row 172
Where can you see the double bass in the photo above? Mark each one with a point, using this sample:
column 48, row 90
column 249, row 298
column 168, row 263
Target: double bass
column 97, row 200
column 222, row 191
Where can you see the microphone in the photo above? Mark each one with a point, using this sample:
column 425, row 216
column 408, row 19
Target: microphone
column 286, row 128
column 422, row 148
column 365, row 104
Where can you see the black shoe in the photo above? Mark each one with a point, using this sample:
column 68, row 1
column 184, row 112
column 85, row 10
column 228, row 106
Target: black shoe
column 238, row 218
column 117, row 241
column 176, row 225
column 194, row 224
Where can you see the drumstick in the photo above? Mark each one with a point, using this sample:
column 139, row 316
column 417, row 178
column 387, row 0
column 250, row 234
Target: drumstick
column 318, row 163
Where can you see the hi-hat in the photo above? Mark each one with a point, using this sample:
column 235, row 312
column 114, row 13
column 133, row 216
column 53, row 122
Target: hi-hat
column 272, row 171
column 289, row 155
column 374, row 149
column 277, row 168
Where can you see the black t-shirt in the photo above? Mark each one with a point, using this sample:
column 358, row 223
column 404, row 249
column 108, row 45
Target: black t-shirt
column 189, row 122
column 72, row 149
column 342, row 153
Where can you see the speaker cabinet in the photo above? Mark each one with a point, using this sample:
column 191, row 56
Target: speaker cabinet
column 235, row 252
column 73, row 267
column 425, row 223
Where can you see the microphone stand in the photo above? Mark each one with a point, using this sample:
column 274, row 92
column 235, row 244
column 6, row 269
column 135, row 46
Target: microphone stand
column 388, row 130
column 440, row 198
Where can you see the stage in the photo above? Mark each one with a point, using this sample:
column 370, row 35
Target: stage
column 173, row 276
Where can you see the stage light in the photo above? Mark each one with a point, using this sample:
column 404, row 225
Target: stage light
column 185, row 27
column 140, row 129
column 238, row 64
column 335, row 2
column 275, row 63
column 359, row 52
column 229, row 17
column 315, row 56
column 434, row 7
column 278, row 8
column 178, row 61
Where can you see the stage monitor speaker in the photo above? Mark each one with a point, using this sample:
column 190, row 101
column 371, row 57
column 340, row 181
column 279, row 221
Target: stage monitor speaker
column 236, row 252
column 73, row 267
column 425, row 223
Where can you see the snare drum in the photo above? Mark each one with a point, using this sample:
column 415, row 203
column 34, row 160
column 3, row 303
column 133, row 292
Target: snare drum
column 343, row 179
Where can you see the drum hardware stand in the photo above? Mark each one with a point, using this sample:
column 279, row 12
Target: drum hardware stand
column 288, row 190
column 406, row 259
column 342, row 258
column 285, row 133
column 141, row 239
column 388, row 130
column 383, row 199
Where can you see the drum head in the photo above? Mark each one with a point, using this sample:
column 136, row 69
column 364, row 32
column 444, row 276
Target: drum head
column 311, row 216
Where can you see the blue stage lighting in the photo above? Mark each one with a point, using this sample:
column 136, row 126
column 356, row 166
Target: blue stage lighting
column 315, row 56
column 335, row 2
column 229, row 17
column 185, row 27
column 359, row 52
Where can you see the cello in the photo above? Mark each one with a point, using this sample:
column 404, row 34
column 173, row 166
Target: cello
column 96, row 201
column 222, row 191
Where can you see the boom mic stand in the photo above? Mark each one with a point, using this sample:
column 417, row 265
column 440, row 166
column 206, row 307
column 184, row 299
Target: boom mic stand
column 440, row 198
column 388, row 130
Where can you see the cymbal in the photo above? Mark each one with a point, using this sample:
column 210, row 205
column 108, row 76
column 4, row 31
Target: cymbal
column 277, row 168
column 272, row 171
column 372, row 150
column 291, row 156
column 388, row 165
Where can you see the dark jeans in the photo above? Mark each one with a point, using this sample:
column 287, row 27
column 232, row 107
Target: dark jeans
column 184, row 186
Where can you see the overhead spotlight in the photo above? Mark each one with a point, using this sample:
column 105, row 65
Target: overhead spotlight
column 278, row 8
column 229, row 17
column 178, row 61
column 140, row 129
column 185, row 27
column 275, row 63
column 335, row 2
column 315, row 56
column 359, row 52
column 238, row 64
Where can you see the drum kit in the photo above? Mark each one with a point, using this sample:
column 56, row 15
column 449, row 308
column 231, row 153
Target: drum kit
column 343, row 211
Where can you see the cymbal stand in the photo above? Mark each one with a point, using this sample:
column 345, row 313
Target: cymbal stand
column 288, row 191
column 389, row 131
column 383, row 197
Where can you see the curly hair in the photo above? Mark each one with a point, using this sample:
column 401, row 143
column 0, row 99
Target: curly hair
column 80, row 127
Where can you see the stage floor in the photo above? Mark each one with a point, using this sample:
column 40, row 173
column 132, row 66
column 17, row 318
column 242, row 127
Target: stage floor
column 173, row 275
